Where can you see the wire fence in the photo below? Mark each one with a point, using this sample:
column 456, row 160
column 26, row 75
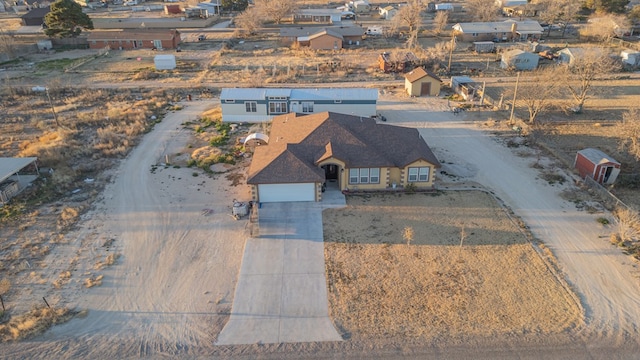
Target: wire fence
column 610, row 201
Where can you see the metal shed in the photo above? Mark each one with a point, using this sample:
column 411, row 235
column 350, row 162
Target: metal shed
column 597, row 165
column 11, row 181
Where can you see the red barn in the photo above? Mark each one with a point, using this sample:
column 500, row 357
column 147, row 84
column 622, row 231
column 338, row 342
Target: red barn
column 597, row 165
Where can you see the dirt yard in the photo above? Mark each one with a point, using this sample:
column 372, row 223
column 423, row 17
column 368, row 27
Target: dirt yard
column 495, row 284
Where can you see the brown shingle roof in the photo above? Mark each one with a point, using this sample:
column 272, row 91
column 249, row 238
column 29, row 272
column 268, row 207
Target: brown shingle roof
column 418, row 73
column 299, row 142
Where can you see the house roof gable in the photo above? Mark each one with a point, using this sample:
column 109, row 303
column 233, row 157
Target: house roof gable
column 418, row 73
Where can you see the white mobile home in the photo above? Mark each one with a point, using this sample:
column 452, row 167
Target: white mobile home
column 260, row 105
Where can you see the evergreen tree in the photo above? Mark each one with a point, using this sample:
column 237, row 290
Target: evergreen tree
column 234, row 5
column 66, row 19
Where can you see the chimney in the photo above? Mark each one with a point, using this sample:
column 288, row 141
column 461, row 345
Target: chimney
column 514, row 28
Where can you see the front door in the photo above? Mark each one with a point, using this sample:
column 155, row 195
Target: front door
column 294, row 106
column 425, row 89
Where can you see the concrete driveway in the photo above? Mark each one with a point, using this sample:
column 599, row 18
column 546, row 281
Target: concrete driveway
column 281, row 295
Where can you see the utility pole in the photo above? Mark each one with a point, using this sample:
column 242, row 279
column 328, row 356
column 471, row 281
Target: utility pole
column 53, row 110
column 451, row 46
column 513, row 103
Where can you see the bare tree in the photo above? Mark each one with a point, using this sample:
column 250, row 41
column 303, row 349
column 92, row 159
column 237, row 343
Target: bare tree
column 584, row 70
column 605, row 27
column 249, row 21
column 537, row 91
column 276, row 10
column 440, row 21
column 7, row 43
column 483, row 10
column 628, row 131
column 564, row 11
column 407, row 234
column 409, row 16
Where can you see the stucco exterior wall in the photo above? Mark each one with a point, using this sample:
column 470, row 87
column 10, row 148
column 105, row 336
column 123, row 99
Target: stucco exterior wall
column 325, row 42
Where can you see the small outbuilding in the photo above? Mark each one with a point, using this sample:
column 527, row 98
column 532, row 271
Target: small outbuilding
column 630, row 57
column 421, row 82
column 519, row 60
column 164, row 62
column 597, row 165
column 387, row 12
column 484, row 46
column 15, row 175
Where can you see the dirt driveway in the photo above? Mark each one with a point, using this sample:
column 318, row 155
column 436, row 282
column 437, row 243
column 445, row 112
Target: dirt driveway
column 605, row 279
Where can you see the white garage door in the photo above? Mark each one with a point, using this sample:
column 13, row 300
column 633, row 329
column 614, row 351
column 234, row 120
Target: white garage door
column 286, row 192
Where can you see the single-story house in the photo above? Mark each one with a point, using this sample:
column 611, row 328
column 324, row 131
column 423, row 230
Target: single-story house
column 597, row 165
column 421, row 82
column 35, row 17
column 324, row 16
column 350, row 34
column 523, row 10
column 134, row 39
column 519, row 60
column 15, row 175
column 262, row 104
column 387, row 12
column 400, row 62
column 213, row 6
column 508, row 30
column 326, row 40
column 465, row 86
column 307, row 151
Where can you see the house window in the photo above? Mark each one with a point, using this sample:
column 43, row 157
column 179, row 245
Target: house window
column 307, row 107
column 364, row 176
column 374, row 175
column 228, row 101
column 353, row 176
column 474, row 34
column 418, row 174
column 277, row 107
column 337, row 101
column 277, row 98
column 251, row 106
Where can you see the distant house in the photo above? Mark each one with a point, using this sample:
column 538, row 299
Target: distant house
column 509, row 30
column 356, row 153
column 326, row 40
column 261, row 105
column 524, row 10
column 134, row 39
column 420, row 82
column 359, row 6
column 597, row 165
column 387, row 12
column 519, row 60
column 351, row 35
column 35, row 17
column 323, row 16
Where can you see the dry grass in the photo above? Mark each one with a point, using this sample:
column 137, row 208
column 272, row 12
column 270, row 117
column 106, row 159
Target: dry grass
column 108, row 261
column 494, row 284
column 93, row 281
column 33, row 322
